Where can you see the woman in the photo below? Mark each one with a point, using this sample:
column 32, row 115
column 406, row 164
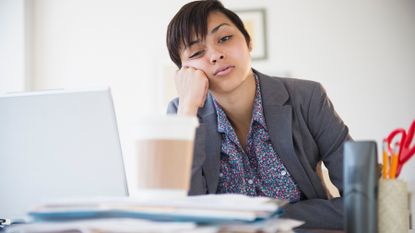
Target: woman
column 259, row 135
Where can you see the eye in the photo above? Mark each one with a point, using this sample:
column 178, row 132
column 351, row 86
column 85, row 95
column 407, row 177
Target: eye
column 196, row 54
column 225, row 38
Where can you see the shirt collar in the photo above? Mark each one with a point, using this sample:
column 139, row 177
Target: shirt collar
column 224, row 125
column 257, row 111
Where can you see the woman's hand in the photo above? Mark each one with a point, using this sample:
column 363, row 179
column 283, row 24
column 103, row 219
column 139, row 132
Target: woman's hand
column 192, row 87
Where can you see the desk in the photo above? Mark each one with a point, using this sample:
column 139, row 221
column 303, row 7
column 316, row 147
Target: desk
column 317, row 231
column 214, row 230
column 328, row 231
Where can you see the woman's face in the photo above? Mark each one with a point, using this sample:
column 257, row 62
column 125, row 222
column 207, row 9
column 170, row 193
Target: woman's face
column 223, row 56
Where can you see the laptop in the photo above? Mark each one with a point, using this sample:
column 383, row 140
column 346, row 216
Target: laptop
column 58, row 144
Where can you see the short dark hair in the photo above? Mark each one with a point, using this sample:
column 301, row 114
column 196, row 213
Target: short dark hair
column 192, row 19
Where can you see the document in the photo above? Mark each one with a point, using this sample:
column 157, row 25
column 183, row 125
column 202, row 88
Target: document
column 144, row 226
column 205, row 209
column 103, row 226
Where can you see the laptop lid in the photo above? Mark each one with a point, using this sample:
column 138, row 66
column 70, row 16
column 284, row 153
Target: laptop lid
column 58, row 144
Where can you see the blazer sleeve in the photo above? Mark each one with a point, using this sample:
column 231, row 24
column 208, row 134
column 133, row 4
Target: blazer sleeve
column 198, row 180
column 330, row 133
column 173, row 106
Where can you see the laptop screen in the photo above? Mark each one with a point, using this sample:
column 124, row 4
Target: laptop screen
column 58, row 144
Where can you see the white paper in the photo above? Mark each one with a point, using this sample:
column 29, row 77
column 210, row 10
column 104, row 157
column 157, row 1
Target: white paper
column 222, row 206
column 103, row 225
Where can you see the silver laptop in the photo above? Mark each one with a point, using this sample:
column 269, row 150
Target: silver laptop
column 58, row 144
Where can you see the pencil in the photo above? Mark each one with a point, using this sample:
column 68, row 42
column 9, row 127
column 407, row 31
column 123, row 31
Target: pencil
column 394, row 165
column 385, row 160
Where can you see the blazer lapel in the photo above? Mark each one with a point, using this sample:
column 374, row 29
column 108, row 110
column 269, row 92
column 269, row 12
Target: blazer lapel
column 278, row 117
column 212, row 145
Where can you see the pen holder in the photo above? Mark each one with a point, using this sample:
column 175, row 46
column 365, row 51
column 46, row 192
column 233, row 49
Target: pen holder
column 393, row 212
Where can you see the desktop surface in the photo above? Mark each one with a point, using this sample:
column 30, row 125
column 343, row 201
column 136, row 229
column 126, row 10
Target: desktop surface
column 317, row 231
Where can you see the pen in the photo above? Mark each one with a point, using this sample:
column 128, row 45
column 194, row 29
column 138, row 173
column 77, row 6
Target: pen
column 4, row 222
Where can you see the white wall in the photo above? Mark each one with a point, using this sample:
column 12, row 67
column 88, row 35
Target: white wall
column 363, row 52
column 121, row 44
column 14, row 49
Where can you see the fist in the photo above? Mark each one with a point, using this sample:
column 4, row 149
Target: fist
column 192, row 87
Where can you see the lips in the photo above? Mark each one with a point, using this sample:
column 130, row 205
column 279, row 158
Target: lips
column 224, row 70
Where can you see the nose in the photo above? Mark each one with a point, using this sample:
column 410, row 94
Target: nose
column 215, row 56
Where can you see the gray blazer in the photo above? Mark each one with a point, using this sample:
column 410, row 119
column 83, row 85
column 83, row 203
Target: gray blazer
column 304, row 129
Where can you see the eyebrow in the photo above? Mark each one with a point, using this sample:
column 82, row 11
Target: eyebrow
column 215, row 29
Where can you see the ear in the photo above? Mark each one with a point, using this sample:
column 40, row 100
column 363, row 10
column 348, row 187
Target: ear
column 250, row 46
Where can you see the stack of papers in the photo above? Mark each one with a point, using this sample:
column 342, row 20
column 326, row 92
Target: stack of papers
column 195, row 214
column 121, row 225
column 205, row 209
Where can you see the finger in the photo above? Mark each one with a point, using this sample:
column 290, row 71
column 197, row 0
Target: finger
column 205, row 94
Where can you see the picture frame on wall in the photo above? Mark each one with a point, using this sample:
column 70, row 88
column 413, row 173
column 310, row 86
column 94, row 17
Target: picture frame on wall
column 255, row 23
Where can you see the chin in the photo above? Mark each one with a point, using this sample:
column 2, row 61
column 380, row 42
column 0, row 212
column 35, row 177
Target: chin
column 229, row 87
